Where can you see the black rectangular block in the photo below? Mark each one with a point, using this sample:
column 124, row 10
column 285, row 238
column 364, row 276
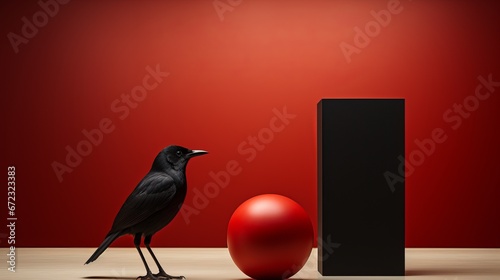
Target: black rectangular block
column 361, row 215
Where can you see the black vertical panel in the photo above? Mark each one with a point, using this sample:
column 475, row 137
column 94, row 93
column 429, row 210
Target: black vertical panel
column 361, row 223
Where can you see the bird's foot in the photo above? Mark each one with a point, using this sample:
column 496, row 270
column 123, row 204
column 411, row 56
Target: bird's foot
column 164, row 276
column 147, row 277
column 160, row 276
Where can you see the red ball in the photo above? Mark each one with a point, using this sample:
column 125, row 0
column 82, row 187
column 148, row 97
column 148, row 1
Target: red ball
column 270, row 237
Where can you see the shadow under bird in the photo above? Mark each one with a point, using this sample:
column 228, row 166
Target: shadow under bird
column 152, row 205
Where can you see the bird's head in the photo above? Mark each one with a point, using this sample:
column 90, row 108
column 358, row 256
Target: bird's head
column 175, row 157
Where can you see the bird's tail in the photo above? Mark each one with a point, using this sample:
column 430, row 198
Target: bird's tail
column 104, row 245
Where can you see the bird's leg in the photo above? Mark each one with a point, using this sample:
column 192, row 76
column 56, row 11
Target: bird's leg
column 162, row 273
column 149, row 275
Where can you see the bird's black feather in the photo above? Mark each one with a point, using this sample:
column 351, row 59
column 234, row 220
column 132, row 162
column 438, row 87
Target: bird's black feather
column 153, row 193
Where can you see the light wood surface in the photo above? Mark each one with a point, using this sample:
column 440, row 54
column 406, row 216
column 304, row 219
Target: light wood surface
column 198, row 264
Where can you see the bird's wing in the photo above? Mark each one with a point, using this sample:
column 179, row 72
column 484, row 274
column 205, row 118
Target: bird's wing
column 152, row 194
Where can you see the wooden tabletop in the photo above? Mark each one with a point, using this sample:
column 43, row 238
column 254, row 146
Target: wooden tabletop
column 215, row 263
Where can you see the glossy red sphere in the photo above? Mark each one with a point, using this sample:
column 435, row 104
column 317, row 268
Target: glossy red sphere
column 270, row 237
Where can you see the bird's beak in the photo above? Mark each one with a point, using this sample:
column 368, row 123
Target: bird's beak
column 195, row 153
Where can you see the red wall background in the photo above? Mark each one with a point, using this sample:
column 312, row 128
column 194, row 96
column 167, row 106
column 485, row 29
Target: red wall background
column 226, row 77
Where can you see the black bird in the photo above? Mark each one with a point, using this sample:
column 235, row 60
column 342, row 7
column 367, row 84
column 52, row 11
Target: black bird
column 152, row 205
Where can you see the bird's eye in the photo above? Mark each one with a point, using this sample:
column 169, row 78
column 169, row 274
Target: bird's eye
column 179, row 153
